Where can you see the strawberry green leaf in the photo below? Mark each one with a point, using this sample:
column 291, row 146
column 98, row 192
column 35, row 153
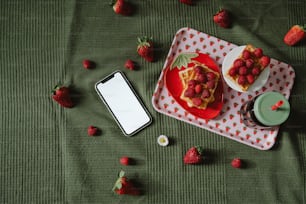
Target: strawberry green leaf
column 144, row 41
column 121, row 174
column 119, row 185
column 303, row 27
column 56, row 87
column 200, row 149
column 182, row 60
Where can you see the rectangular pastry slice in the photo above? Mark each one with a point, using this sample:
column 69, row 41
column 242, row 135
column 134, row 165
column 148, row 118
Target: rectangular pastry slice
column 199, row 85
column 247, row 67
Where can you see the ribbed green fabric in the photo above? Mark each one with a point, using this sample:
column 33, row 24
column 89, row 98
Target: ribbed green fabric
column 32, row 57
column 46, row 155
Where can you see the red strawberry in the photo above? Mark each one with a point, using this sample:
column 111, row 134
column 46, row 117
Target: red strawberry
column 236, row 163
column 61, row 95
column 193, row 156
column 222, row 18
column 145, row 48
column 92, row 131
column 189, row 2
column 129, row 64
column 87, row 64
column 125, row 160
column 122, row 7
column 295, row 34
column 125, row 186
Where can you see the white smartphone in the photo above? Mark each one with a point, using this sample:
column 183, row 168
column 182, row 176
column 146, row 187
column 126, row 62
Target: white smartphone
column 123, row 103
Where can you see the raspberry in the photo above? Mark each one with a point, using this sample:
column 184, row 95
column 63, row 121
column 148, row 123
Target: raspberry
column 246, row 54
column 243, row 70
column 190, row 93
column 198, row 70
column 210, row 76
column 239, row 63
column 249, row 63
column 197, row 101
column 255, row 71
column 205, row 93
column 125, row 160
column 87, row 64
column 129, row 64
column 242, row 80
column 250, row 78
column 211, row 84
column 192, row 83
column 198, row 88
column 258, row 52
column 201, row 78
column 92, row 131
column 264, row 61
column 236, row 163
column 233, row 71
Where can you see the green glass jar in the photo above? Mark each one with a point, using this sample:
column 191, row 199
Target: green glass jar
column 266, row 110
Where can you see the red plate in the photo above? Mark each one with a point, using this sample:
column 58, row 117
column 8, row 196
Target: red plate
column 175, row 88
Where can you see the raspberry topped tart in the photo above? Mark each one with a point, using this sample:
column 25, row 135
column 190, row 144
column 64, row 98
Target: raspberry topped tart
column 246, row 69
column 199, row 85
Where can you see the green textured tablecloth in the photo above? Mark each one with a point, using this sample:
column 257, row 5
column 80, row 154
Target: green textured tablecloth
column 46, row 155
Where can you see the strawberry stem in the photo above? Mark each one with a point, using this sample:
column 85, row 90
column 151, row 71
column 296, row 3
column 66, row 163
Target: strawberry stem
column 121, row 174
column 56, row 87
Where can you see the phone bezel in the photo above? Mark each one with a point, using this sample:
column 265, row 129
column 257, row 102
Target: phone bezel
column 107, row 78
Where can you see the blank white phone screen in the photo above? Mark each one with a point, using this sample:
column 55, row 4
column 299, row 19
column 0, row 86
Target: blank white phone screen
column 123, row 103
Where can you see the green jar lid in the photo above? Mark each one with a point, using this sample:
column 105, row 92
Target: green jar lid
column 263, row 109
